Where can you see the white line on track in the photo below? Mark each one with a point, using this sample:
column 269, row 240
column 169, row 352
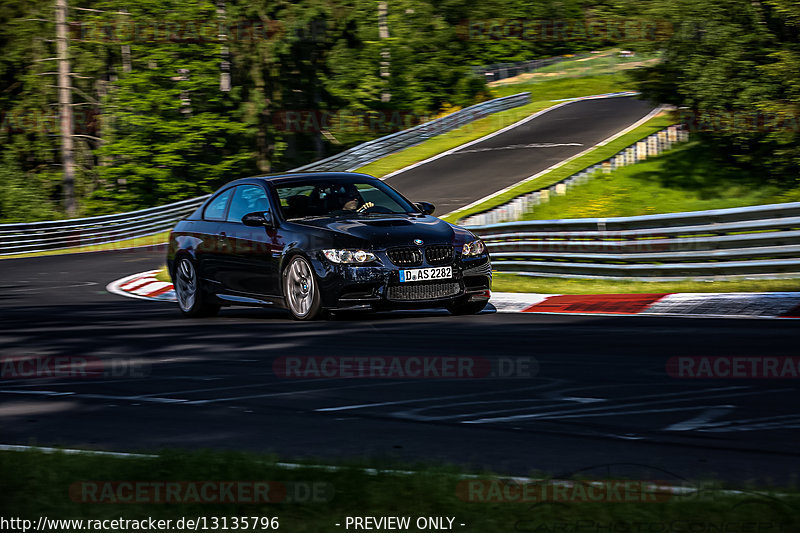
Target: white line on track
column 429, row 399
column 184, row 401
column 90, row 396
column 68, row 451
column 614, row 410
column 557, row 397
column 516, row 147
column 702, row 419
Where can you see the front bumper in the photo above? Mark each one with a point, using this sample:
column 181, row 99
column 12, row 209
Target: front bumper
column 378, row 286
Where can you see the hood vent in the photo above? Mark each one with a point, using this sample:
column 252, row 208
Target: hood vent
column 387, row 222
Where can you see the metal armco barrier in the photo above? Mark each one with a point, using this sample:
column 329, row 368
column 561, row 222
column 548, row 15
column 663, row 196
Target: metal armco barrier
column 83, row 232
column 760, row 241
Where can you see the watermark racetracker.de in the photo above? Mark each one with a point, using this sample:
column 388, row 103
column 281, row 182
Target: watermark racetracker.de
column 404, row 367
column 72, row 367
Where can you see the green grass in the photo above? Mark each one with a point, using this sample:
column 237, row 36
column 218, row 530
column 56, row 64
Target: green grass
column 541, row 98
column 576, row 165
column 35, row 484
column 163, row 275
column 687, row 178
column 545, row 285
column 600, row 65
column 150, row 240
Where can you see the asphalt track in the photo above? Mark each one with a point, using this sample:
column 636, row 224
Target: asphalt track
column 475, row 171
column 601, row 399
column 600, row 402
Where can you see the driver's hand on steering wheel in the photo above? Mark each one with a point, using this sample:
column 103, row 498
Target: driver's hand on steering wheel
column 365, row 207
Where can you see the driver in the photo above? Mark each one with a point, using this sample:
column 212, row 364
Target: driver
column 351, row 199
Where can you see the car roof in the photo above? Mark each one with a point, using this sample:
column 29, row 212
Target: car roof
column 291, row 176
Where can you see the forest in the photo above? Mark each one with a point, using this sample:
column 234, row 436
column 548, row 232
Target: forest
column 161, row 101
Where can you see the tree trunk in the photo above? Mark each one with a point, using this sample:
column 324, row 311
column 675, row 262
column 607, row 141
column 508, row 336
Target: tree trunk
column 65, row 108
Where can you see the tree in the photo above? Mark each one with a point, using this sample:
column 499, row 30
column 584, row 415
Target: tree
column 734, row 65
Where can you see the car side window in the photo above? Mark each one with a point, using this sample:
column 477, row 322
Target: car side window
column 216, row 209
column 247, row 199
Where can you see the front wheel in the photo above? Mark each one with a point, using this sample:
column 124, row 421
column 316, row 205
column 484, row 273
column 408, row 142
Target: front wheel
column 192, row 301
column 461, row 307
column 301, row 289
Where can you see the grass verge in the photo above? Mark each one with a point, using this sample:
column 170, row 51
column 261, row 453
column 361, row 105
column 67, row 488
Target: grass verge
column 163, row 275
column 542, row 98
column 571, row 71
column 547, row 179
column 502, row 282
column 69, row 486
column 688, row 178
column 150, row 240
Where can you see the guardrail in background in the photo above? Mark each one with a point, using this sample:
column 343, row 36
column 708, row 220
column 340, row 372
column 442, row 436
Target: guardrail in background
column 758, row 241
column 515, row 208
column 501, row 71
column 71, row 233
column 83, row 232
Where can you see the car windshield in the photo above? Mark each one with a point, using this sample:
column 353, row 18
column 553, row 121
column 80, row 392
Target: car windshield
column 339, row 197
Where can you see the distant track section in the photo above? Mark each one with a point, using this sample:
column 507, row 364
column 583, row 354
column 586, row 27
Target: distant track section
column 472, row 171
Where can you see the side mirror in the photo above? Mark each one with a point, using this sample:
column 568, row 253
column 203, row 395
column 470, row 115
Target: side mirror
column 258, row 218
column 426, row 208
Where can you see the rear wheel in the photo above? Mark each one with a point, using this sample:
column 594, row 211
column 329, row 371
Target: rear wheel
column 192, row 301
column 301, row 289
column 463, row 307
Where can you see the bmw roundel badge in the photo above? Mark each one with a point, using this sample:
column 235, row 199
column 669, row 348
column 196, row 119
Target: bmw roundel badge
column 418, row 242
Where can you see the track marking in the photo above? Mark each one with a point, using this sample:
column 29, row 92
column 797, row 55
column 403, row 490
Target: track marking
column 68, row 451
column 516, row 147
column 416, row 400
column 702, row 419
column 93, row 396
column 622, row 409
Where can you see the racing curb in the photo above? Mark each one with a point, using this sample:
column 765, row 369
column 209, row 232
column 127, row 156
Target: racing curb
column 145, row 286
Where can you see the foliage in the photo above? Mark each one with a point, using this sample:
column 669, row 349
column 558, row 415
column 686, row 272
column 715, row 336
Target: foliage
column 735, row 66
column 152, row 123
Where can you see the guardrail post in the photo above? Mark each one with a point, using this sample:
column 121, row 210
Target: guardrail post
column 641, row 151
column 630, row 155
column 652, row 145
column 672, row 134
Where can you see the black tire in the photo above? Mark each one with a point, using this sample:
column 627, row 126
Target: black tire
column 301, row 289
column 192, row 299
column 464, row 307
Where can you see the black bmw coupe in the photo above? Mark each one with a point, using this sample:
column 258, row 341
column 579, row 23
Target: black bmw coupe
column 311, row 242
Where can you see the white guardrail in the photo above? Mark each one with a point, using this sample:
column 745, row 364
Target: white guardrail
column 84, row 232
column 758, row 241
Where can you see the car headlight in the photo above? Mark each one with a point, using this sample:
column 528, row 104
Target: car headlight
column 473, row 248
column 349, row 256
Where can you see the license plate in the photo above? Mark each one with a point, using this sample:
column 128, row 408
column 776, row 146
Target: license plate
column 425, row 274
